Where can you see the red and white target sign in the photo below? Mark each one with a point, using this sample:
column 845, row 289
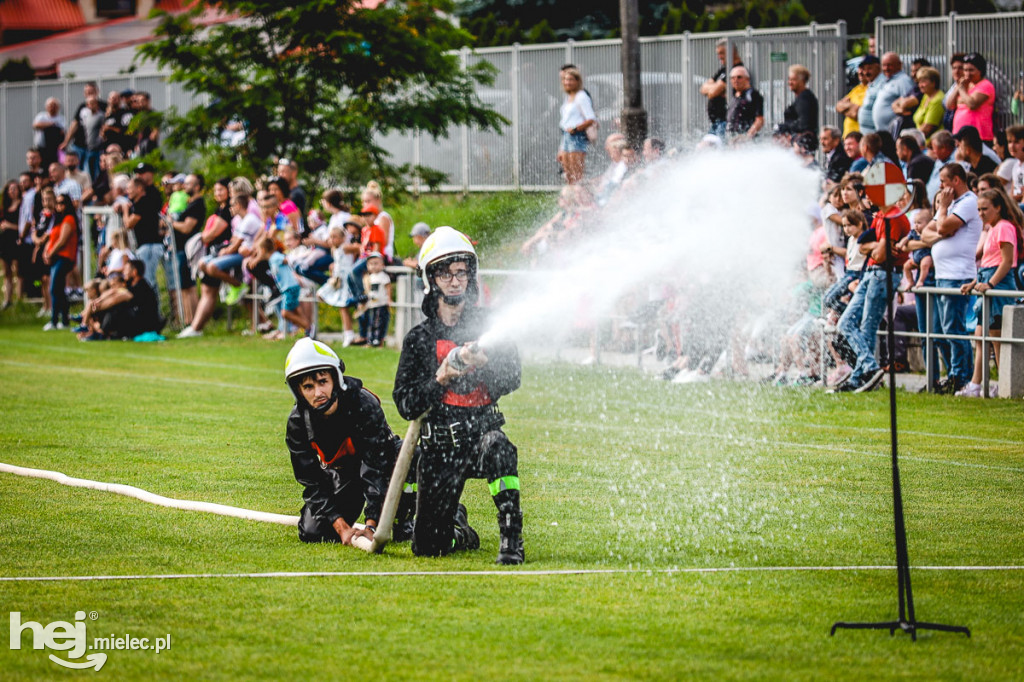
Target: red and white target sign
column 884, row 184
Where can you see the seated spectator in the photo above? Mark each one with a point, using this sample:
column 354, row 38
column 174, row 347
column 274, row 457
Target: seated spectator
column 999, row 259
column 318, row 263
column 970, row 149
column 605, row 184
column 929, row 112
column 915, row 164
column 974, row 98
column 125, row 313
column 851, row 145
column 279, row 188
column 114, row 254
column 287, row 286
column 837, row 163
column 335, row 292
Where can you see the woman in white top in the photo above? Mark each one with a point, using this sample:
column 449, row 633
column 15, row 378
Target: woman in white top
column 577, row 114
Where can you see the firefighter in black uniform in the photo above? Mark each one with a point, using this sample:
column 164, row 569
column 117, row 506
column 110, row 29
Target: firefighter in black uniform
column 444, row 375
column 341, row 446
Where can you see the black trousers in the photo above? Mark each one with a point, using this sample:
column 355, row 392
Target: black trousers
column 441, row 475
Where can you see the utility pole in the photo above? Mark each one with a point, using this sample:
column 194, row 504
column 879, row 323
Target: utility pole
column 634, row 118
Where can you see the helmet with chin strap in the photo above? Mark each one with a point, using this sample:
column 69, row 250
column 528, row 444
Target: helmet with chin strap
column 445, row 244
column 308, row 356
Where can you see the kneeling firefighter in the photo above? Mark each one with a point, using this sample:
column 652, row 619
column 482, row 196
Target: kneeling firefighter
column 444, row 373
column 342, row 449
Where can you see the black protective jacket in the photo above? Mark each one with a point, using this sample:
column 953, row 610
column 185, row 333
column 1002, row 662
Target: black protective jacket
column 426, row 346
column 347, row 454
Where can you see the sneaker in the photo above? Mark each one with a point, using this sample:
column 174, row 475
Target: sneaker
column 805, row 380
column 50, row 326
column 189, row 333
column 465, row 536
column 993, row 390
column 872, row 382
column 79, row 329
column 845, row 387
column 839, row 375
column 347, row 338
column 948, row 386
column 235, row 294
column 971, row 390
column 43, row 312
column 589, row 360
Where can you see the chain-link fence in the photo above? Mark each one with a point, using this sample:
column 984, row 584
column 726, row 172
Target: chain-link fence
column 528, row 93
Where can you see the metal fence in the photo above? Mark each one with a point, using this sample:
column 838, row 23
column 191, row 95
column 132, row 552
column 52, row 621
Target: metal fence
column 528, row 93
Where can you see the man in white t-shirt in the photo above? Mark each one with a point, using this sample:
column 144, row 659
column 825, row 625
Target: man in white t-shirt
column 953, row 236
column 49, row 126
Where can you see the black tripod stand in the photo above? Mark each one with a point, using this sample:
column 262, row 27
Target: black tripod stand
column 906, row 620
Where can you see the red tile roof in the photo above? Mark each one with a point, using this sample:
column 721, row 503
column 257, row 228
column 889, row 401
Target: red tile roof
column 40, row 15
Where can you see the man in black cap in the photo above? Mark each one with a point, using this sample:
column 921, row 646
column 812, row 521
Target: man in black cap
column 970, row 149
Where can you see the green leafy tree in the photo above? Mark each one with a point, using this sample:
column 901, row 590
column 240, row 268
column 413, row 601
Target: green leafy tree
column 310, row 78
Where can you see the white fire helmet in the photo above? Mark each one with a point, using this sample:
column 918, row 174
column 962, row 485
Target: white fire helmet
column 308, row 355
column 443, row 243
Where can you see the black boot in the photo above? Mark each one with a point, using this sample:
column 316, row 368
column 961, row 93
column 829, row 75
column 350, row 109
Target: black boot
column 465, row 536
column 510, row 551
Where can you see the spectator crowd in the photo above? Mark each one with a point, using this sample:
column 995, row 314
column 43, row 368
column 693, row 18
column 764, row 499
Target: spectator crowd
column 217, row 242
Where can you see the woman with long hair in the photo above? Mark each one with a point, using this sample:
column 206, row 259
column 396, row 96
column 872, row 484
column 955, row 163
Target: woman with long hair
column 9, row 240
column 576, row 115
column 61, row 254
column 373, row 202
column 1000, row 254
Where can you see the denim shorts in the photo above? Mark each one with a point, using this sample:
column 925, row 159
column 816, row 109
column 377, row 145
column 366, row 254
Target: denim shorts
column 574, row 142
column 230, row 263
column 995, row 303
column 290, row 298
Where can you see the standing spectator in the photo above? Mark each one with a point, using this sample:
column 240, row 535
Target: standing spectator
column 928, row 115
column 895, row 84
column 871, row 149
column 974, row 98
column 9, row 218
column 577, row 115
column 942, row 146
column 953, row 236
column 377, row 285
column 373, row 201
column 916, row 164
column 84, row 134
column 289, row 171
column 116, row 119
column 836, row 162
column 746, row 114
column 49, row 125
column 142, row 217
column 866, row 111
column 186, row 224
column 60, row 254
column 714, row 89
column 26, row 233
column 148, row 137
column 972, row 151
column 802, row 115
column 1015, row 146
column 905, row 107
column 860, row 321
column 849, row 106
column 999, row 259
column 62, row 184
column 956, row 68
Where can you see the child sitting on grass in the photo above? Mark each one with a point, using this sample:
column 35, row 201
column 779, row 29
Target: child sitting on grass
column 287, row 284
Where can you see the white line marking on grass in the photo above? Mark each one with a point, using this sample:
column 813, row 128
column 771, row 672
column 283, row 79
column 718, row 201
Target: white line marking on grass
column 146, row 377
column 152, row 498
column 493, row 572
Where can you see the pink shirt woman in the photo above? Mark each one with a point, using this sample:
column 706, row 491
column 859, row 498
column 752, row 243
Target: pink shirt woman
column 975, row 98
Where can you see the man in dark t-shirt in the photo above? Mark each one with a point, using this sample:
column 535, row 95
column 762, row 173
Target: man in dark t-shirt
column 746, row 114
column 131, row 311
column 187, row 224
column 714, row 89
column 143, row 218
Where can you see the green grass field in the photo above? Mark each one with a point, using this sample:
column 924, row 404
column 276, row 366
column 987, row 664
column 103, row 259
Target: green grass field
column 619, row 472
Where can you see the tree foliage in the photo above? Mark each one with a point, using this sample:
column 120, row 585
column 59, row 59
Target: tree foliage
column 499, row 22
column 313, row 77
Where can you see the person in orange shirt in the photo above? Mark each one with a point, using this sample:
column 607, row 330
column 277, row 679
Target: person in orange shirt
column 61, row 254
